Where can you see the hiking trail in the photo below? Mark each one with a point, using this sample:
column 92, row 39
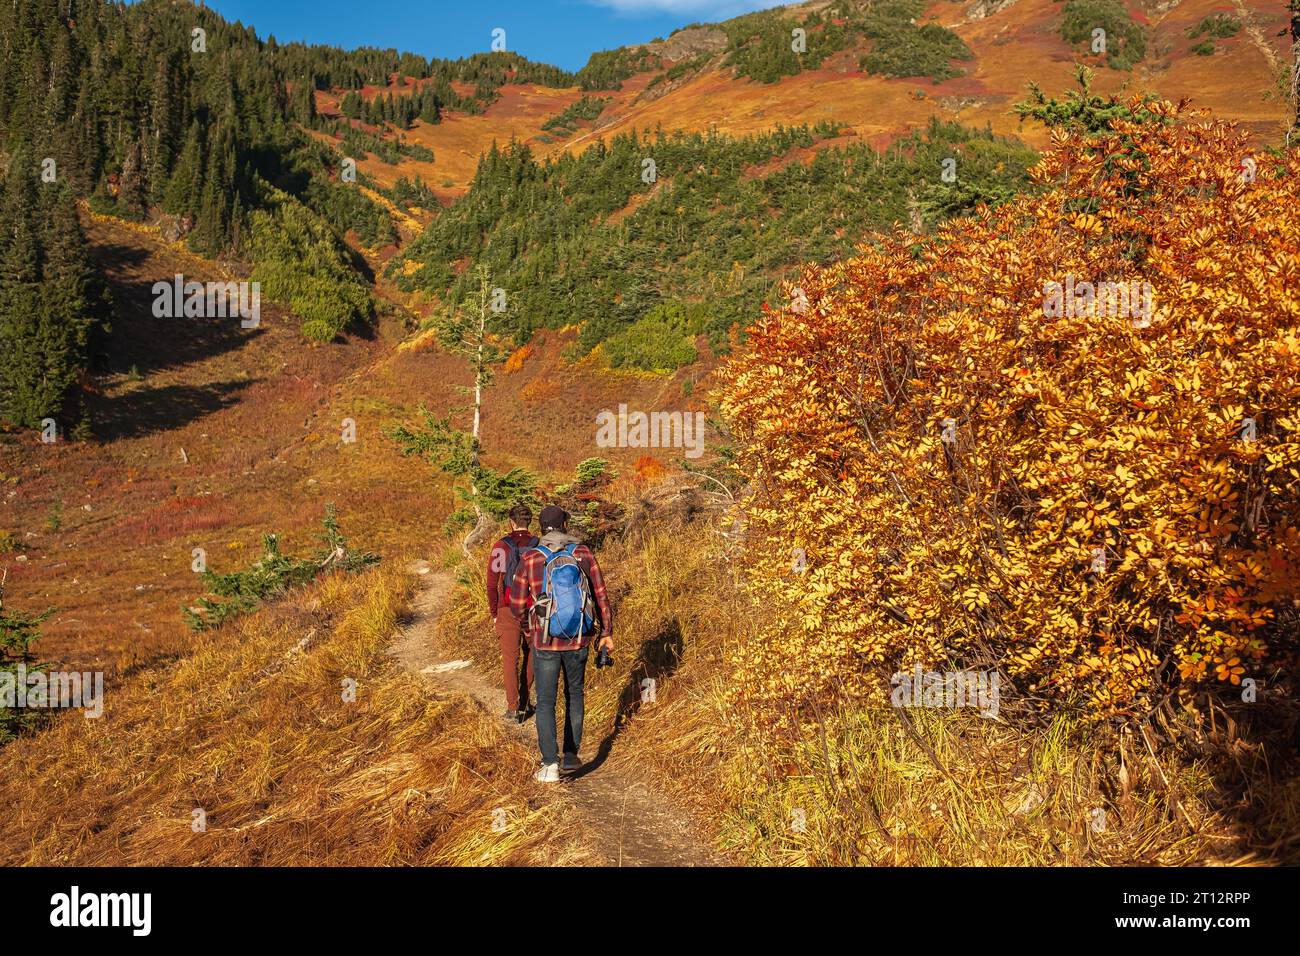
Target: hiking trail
column 1257, row 36
column 629, row 821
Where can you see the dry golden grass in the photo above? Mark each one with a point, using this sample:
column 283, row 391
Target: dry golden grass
column 253, row 729
column 862, row 788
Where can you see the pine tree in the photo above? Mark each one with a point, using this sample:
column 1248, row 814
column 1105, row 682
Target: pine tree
column 131, row 192
column 164, row 128
column 465, row 331
column 48, row 300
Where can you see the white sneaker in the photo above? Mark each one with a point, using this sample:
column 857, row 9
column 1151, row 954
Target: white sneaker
column 570, row 762
column 550, row 773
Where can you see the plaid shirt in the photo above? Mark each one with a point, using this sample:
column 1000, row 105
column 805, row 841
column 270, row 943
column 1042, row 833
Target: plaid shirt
column 527, row 584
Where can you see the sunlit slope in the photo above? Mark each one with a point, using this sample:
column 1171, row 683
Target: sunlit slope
column 1013, row 42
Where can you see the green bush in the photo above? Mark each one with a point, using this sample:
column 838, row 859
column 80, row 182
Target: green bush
column 1125, row 39
column 660, row 342
column 274, row 574
column 499, row 491
column 909, row 50
column 759, row 45
column 607, row 69
column 298, row 260
column 1218, row 27
column 566, row 122
column 589, row 469
column 412, row 192
column 18, row 632
column 678, row 70
column 456, row 452
column 346, row 207
column 357, row 143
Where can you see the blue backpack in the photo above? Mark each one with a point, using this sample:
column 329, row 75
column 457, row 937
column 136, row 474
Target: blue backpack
column 565, row 606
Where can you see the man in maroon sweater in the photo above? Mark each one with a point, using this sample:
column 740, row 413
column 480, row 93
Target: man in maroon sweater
column 502, row 561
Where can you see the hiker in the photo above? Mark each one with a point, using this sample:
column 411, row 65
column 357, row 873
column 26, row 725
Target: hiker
column 503, row 559
column 559, row 585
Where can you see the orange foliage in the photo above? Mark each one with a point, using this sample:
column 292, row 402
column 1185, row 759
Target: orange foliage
column 517, row 358
column 1103, row 506
column 540, row 390
column 648, row 468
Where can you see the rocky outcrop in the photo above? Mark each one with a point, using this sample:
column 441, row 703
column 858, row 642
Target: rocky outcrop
column 985, row 8
column 689, row 43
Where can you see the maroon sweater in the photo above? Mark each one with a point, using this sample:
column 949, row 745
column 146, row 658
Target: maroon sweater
column 498, row 588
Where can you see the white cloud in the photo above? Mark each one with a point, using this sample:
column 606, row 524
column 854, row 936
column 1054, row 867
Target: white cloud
column 708, row 10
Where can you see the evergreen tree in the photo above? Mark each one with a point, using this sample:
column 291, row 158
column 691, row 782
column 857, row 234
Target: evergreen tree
column 49, row 299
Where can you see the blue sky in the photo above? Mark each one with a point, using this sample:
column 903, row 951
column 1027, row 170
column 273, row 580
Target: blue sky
column 561, row 32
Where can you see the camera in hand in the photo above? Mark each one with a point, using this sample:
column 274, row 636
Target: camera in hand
column 604, row 658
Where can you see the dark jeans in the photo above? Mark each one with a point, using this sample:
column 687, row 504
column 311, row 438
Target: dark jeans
column 546, row 669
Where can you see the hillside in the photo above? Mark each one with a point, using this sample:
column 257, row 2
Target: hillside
column 214, row 440
column 551, row 190
column 1012, row 43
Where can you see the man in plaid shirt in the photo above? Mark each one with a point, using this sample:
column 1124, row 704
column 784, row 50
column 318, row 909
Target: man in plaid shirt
column 560, row 654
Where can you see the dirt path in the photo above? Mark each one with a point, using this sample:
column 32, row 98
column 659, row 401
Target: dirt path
column 630, row 822
column 1257, row 37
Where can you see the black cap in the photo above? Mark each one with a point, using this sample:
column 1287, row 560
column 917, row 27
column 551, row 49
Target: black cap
column 553, row 518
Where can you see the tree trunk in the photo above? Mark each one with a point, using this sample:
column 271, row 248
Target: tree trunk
column 477, row 534
column 1295, row 69
column 483, row 522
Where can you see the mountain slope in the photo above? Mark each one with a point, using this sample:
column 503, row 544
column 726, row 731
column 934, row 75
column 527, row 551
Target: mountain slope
column 1012, row 42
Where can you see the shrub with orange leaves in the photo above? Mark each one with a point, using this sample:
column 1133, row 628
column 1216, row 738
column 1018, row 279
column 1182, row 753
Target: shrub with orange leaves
column 953, row 464
column 517, row 358
column 649, row 468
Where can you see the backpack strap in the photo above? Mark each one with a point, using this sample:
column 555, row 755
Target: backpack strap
column 588, row 599
column 538, row 599
column 511, row 550
column 547, row 556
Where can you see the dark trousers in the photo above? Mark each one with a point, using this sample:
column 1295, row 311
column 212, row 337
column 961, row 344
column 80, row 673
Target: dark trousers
column 547, row 666
column 513, row 643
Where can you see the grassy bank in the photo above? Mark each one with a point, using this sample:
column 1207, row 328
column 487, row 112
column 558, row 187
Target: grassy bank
column 253, row 730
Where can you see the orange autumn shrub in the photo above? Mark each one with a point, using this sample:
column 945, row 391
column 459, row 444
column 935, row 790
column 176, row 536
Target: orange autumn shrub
column 649, row 468
column 954, row 460
column 517, row 358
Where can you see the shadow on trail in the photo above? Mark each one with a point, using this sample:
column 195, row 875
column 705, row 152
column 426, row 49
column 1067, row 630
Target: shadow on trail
column 658, row 659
